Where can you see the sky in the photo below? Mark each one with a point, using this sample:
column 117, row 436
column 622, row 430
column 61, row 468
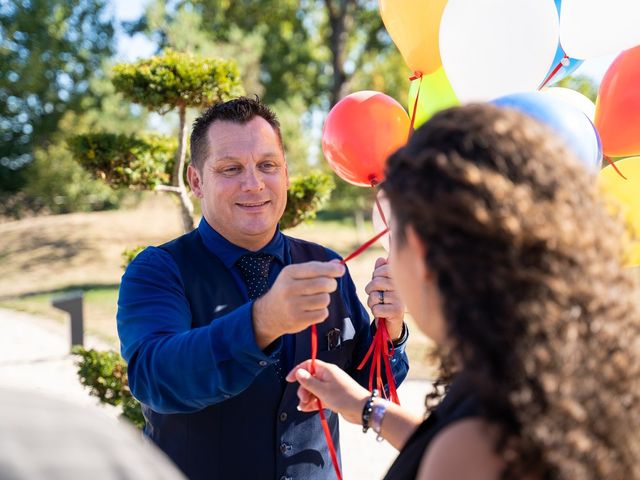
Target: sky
column 130, row 48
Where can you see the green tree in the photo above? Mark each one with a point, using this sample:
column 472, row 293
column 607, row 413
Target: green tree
column 314, row 47
column 49, row 49
column 581, row 83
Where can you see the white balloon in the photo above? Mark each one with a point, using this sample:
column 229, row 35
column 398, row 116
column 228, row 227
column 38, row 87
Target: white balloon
column 491, row 48
column 590, row 28
column 573, row 98
column 378, row 223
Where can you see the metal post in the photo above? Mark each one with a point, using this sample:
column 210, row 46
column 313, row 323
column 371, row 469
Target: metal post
column 72, row 304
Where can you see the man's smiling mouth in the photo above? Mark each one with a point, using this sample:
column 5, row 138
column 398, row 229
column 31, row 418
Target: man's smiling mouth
column 253, row 204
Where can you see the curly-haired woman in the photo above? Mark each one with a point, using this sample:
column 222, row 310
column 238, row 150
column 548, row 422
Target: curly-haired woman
column 506, row 257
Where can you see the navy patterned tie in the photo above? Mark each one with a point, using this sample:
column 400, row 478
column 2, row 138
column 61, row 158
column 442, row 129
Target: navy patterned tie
column 254, row 268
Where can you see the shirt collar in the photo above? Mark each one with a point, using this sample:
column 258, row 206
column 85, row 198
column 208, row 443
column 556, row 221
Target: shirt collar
column 229, row 253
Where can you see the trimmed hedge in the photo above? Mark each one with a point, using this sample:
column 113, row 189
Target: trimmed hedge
column 126, row 160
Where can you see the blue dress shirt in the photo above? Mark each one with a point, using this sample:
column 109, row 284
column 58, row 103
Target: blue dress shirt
column 180, row 369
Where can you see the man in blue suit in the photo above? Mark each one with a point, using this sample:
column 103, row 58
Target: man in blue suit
column 212, row 321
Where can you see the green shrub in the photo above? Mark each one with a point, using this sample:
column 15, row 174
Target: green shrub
column 306, row 195
column 126, row 160
column 129, row 254
column 105, row 374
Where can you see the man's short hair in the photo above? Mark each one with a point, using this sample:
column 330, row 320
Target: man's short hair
column 239, row 110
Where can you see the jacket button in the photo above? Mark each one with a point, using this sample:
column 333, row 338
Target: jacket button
column 285, row 448
column 283, row 417
column 262, row 363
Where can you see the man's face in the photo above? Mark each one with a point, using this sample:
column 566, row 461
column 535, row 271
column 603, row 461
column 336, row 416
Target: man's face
column 243, row 183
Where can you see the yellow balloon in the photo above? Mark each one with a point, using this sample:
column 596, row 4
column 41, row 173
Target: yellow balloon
column 414, row 26
column 624, row 196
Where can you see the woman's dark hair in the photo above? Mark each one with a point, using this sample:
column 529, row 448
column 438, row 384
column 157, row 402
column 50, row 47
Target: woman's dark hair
column 539, row 311
column 239, row 110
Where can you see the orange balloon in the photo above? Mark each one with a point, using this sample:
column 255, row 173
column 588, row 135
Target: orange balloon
column 360, row 132
column 618, row 106
column 414, row 26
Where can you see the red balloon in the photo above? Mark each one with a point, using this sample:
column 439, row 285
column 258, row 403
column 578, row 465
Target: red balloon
column 360, row 132
column 618, row 106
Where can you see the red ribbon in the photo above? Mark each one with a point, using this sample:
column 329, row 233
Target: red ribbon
column 364, row 246
column 381, row 212
column 553, row 72
column 323, row 418
column 415, row 76
column 613, row 164
column 380, row 352
column 377, row 349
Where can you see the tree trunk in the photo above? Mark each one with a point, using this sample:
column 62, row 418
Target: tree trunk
column 177, row 180
column 340, row 21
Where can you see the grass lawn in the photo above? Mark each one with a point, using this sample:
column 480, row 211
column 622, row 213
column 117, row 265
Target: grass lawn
column 99, row 309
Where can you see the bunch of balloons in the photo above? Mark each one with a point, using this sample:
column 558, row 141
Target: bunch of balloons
column 509, row 52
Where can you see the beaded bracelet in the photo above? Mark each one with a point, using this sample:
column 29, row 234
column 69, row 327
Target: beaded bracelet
column 366, row 411
column 377, row 415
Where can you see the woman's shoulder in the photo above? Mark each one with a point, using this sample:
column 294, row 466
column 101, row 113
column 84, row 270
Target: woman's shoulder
column 464, row 449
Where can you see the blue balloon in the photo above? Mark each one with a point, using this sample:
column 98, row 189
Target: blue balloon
column 600, row 152
column 569, row 65
column 570, row 123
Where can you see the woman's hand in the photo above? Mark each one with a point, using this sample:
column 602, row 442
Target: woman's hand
column 335, row 388
column 384, row 300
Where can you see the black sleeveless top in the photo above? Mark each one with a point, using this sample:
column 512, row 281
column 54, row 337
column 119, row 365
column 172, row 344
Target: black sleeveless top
column 459, row 403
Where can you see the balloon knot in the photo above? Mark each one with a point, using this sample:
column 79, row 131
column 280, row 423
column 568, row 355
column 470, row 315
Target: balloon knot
column 416, row 75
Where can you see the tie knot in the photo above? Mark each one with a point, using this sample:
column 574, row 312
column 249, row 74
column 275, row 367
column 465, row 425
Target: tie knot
column 254, row 268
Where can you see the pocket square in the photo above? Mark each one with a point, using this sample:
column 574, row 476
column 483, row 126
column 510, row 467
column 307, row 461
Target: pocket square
column 348, row 330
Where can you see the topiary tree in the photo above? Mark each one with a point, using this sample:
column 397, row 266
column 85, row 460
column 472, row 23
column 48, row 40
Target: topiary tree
column 144, row 162
column 172, row 81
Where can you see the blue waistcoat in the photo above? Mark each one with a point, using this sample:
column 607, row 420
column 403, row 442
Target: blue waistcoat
column 258, row 433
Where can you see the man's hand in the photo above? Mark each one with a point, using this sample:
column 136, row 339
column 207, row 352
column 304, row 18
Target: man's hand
column 388, row 304
column 298, row 298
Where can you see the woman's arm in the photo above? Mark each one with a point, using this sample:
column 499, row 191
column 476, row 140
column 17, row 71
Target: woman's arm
column 339, row 392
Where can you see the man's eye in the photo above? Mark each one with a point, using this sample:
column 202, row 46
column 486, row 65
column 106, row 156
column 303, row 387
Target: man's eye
column 230, row 170
column 269, row 166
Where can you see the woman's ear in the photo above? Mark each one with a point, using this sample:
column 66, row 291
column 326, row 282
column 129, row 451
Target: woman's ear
column 195, row 182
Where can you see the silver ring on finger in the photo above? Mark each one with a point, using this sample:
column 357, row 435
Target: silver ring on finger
column 381, row 297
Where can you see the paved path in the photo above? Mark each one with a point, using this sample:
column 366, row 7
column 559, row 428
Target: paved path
column 34, row 355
